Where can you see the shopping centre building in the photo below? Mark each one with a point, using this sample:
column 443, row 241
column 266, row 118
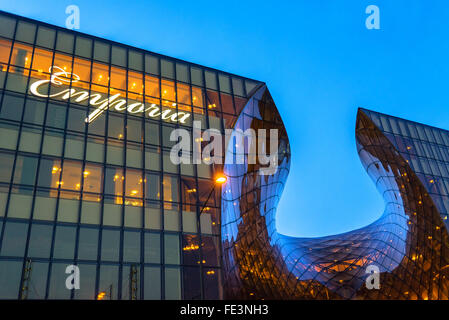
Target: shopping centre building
column 86, row 180
column 85, row 171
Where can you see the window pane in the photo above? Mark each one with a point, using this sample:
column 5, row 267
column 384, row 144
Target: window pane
column 71, row 175
column 101, row 51
column 12, row 107
column 110, row 245
column 49, row 171
column 118, row 56
column 114, row 181
column 131, row 246
column 10, row 274
column 134, row 183
column 171, row 247
column 25, row 32
column 93, row 178
column 46, row 37
column 65, row 42
column 83, row 47
column 34, row 111
column 87, row 282
column 87, row 245
column 152, row 248
column 7, row 26
column 65, row 238
column 172, row 283
column 6, row 163
column 152, row 186
column 25, row 172
column 14, row 239
column 56, row 116
column 109, row 280
column 40, row 241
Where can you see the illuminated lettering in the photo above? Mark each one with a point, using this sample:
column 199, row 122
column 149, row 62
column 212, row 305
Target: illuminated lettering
column 60, row 76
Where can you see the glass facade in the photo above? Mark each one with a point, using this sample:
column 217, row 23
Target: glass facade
column 409, row 243
column 85, row 173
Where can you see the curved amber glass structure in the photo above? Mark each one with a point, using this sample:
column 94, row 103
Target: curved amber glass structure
column 407, row 161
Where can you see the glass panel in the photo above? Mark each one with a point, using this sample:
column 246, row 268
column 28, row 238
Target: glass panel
column 109, row 281
column 58, row 277
column 25, row 172
column 192, row 283
column 71, row 175
column 91, row 212
column 152, row 283
column 152, row 186
column 170, row 184
column 83, row 47
column 171, row 248
column 167, row 69
column 49, row 171
column 10, row 271
column 182, row 72
column 172, row 283
column 118, row 56
column 131, row 246
column 65, row 42
column 151, row 64
column 135, row 60
column 87, row 244
column 225, row 85
column 114, row 181
column 7, row 26
column 38, row 280
column 101, row 51
column 152, row 251
column 46, row 37
column 153, row 218
column 110, row 245
column 20, row 205
column 44, row 208
column 14, row 239
column 40, row 241
column 52, row 144
column 30, row 140
column 12, row 107
column 9, row 134
column 211, row 79
column 87, row 282
column 56, row 116
column 34, row 112
column 134, row 183
column 65, row 239
column 6, row 164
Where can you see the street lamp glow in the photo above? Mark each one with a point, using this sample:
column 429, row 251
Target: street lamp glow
column 221, row 179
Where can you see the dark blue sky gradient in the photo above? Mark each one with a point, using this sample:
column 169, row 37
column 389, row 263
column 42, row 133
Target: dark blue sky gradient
column 320, row 64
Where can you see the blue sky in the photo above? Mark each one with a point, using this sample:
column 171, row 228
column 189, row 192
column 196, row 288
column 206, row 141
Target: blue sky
column 320, row 63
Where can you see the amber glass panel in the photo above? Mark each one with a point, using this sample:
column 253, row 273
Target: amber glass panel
column 151, row 100
column 227, row 104
column 118, row 78
column 5, row 50
column 99, row 89
column 183, row 93
column 21, row 55
column 189, row 190
column 81, row 67
column 182, row 107
column 42, row 60
column 71, row 175
column 114, row 182
column 152, row 86
column 204, row 189
column 100, row 73
column 239, row 104
column 168, row 90
column 135, row 82
column 134, row 183
column 213, row 102
column 197, row 97
column 93, row 178
column 63, row 61
column 170, row 185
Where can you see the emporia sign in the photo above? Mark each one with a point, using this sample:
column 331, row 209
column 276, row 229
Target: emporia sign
column 61, row 77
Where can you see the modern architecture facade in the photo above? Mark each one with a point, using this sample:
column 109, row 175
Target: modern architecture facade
column 86, row 180
column 85, row 171
column 409, row 244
